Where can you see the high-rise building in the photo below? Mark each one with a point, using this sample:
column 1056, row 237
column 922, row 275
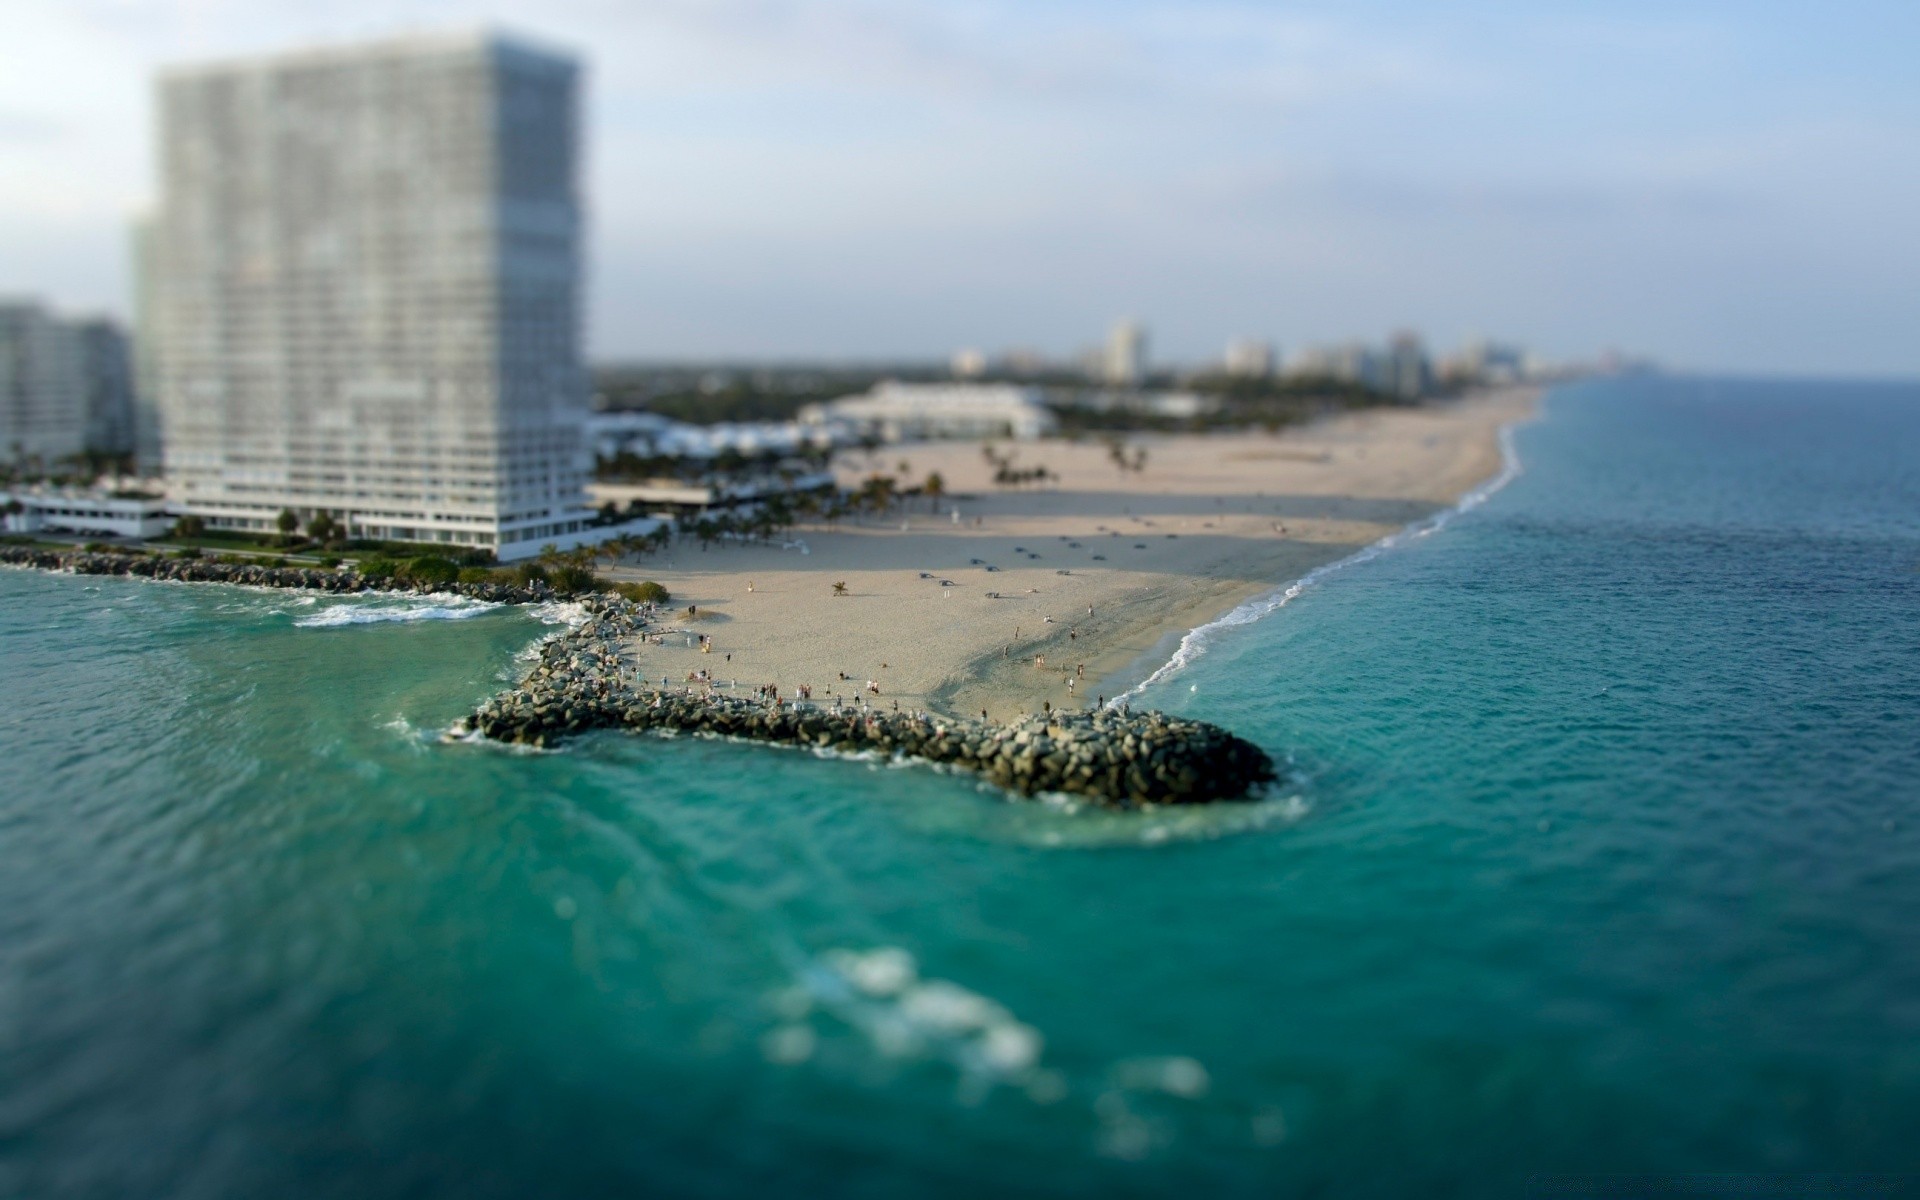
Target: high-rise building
column 365, row 289
column 43, row 386
column 1126, row 354
column 107, row 372
column 1408, row 374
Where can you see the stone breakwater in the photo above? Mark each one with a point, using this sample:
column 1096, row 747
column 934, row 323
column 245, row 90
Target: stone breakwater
column 586, row 680
column 199, row 570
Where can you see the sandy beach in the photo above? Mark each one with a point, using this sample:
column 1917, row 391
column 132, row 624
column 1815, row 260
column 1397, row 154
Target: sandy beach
column 1093, row 577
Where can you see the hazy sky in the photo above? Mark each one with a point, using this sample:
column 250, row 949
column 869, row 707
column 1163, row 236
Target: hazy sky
column 1722, row 186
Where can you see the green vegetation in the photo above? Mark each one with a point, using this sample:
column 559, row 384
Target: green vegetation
column 428, row 569
column 571, row 580
column 643, row 593
column 528, row 574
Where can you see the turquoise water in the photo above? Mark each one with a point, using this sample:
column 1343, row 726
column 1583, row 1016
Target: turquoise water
column 1600, row 853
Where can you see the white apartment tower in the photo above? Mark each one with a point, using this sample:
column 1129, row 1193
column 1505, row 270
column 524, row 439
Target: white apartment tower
column 365, row 291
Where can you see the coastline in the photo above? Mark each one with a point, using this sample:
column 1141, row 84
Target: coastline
column 1103, row 579
column 1152, row 669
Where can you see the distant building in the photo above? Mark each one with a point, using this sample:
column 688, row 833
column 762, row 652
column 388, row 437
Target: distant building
column 1249, row 358
column 1125, row 362
column 898, row 412
column 147, row 435
column 645, row 434
column 65, row 386
column 969, row 364
column 365, row 291
column 43, row 386
column 1483, row 361
column 1408, row 374
column 1353, row 362
column 107, row 369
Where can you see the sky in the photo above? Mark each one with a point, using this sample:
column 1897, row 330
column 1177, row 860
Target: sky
column 1719, row 186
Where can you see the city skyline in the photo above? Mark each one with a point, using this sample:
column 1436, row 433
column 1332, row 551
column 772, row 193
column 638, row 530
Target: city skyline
column 836, row 181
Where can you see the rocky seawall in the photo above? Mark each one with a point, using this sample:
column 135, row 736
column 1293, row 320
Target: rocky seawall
column 200, row 570
column 584, row 680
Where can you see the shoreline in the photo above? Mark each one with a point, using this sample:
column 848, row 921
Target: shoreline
column 1103, row 580
column 1194, row 642
column 583, row 680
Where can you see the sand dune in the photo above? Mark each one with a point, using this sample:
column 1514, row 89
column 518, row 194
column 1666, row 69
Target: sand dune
column 1096, row 574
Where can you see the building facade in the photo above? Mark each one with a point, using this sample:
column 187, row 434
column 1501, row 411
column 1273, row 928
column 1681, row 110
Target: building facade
column 107, row 370
column 84, row 512
column 1125, row 360
column 902, row 412
column 43, row 387
column 362, row 292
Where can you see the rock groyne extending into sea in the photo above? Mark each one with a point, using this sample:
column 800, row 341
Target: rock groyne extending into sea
column 204, row 570
column 588, row 679
column 585, row 680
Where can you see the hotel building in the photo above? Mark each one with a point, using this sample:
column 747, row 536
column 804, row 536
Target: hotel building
column 365, row 292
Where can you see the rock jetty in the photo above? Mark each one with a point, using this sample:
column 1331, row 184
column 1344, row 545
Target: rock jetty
column 202, row 570
column 586, row 680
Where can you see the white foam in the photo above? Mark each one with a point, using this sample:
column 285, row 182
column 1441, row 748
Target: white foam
column 439, row 608
column 561, row 612
column 1195, row 643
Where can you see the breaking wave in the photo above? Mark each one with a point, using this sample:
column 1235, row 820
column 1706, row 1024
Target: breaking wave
column 438, row 608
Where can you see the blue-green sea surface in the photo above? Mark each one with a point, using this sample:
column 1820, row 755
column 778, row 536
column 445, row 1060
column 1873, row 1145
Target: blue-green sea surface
column 1599, row 853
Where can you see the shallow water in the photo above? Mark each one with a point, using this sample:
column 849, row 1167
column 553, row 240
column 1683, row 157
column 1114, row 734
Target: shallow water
column 1599, row 855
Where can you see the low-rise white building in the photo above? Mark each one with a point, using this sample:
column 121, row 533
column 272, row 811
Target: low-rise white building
column 900, row 412
column 86, row 512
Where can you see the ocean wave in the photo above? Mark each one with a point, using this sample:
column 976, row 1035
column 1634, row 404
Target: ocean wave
column 1195, row 643
column 560, row 612
column 437, row 608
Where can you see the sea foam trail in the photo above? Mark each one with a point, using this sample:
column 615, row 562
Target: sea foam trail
column 450, row 608
column 1195, row 643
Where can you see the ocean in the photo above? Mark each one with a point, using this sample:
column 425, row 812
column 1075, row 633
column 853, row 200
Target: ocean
column 1597, row 856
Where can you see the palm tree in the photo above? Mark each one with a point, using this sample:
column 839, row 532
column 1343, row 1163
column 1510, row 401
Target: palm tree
column 840, row 588
column 934, row 488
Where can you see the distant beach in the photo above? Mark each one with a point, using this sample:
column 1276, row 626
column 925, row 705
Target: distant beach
column 1094, row 576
